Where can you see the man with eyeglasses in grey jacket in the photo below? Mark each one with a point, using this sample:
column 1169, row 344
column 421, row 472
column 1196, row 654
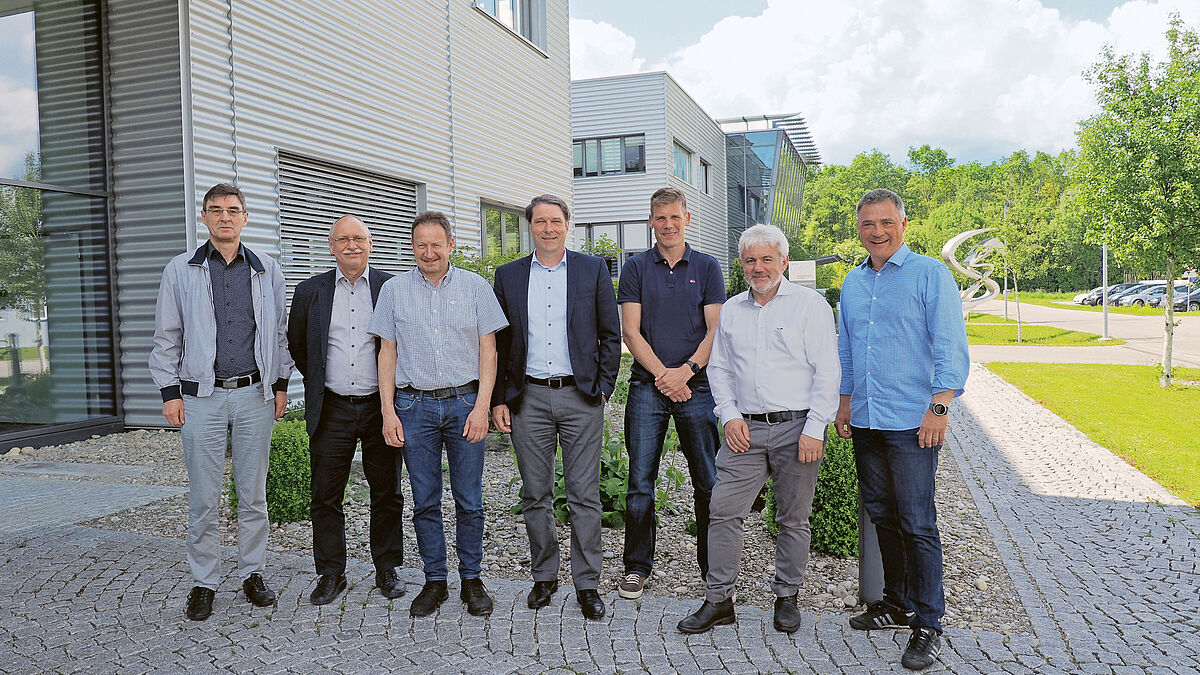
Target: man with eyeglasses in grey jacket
column 221, row 362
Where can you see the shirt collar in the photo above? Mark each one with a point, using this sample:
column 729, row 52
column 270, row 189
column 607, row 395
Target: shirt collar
column 687, row 254
column 338, row 275
column 210, row 251
column 785, row 288
column 446, row 278
column 561, row 263
column 899, row 257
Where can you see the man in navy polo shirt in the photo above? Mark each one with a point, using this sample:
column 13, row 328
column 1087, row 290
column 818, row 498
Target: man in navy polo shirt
column 671, row 298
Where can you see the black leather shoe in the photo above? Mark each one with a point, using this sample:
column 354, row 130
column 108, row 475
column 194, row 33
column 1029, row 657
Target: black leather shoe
column 432, row 595
column 389, row 583
column 710, row 614
column 474, row 593
column 542, row 592
column 589, row 600
column 329, row 586
column 257, row 592
column 199, row 604
column 787, row 615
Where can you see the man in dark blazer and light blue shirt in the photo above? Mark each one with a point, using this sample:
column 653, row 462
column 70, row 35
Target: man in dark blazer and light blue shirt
column 328, row 338
column 558, row 363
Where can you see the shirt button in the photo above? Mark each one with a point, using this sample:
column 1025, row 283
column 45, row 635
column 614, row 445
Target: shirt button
column 868, row 346
column 872, row 323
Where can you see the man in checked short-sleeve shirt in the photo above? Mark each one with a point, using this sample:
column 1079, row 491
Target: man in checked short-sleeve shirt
column 437, row 367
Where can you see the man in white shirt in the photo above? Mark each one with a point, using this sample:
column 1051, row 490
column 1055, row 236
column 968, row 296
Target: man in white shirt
column 774, row 373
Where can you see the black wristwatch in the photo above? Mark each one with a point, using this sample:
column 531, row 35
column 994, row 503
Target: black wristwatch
column 938, row 409
column 695, row 368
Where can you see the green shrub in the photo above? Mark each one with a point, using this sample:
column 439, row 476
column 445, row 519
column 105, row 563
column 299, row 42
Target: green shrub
column 289, row 475
column 832, row 295
column 621, row 388
column 834, row 521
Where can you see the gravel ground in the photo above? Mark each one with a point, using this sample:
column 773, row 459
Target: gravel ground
column 979, row 591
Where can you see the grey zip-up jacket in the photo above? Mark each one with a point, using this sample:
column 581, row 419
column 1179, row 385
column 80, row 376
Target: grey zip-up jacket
column 185, row 327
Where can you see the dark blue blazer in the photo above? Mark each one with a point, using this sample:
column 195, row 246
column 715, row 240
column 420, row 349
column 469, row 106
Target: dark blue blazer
column 593, row 327
column 308, row 334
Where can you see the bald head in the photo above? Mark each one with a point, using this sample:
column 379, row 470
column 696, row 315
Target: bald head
column 350, row 244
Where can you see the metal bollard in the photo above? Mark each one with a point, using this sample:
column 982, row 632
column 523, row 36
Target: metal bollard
column 870, row 562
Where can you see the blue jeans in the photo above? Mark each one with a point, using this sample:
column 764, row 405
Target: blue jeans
column 896, row 481
column 429, row 425
column 646, row 417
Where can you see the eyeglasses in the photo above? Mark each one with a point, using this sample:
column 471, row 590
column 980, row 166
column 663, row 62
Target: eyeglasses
column 345, row 240
column 218, row 211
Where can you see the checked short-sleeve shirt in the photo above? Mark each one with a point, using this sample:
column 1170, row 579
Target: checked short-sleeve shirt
column 436, row 328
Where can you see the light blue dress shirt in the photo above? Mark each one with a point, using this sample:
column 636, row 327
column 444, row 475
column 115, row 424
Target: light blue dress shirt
column 548, row 354
column 901, row 340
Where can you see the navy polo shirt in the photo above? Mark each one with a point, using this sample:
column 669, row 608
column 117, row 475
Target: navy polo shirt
column 672, row 302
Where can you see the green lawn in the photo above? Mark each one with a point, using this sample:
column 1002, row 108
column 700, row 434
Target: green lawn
column 1124, row 409
column 978, row 333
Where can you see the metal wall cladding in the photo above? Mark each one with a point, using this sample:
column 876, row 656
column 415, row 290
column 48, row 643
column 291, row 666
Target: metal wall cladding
column 621, row 106
column 149, row 201
column 510, row 113
column 688, row 123
column 654, row 104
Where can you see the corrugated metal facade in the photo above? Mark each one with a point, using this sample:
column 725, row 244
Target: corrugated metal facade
column 432, row 93
column 653, row 104
column 149, row 204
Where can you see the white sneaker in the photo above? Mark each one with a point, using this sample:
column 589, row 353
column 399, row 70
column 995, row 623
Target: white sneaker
column 631, row 586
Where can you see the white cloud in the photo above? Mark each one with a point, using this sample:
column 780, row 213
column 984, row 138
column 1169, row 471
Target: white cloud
column 18, row 125
column 980, row 79
column 599, row 49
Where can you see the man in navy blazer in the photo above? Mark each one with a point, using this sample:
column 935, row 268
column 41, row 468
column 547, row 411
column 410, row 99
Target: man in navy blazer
column 328, row 338
column 558, row 363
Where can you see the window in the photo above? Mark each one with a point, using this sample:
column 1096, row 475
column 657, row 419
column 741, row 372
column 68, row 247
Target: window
column 683, row 163
column 609, row 156
column 56, row 309
column 631, row 237
column 523, row 17
column 503, row 231
column 313, row 193
column 706, row 177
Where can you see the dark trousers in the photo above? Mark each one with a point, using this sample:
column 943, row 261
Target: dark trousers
column 342, row 424
column 646, row 417
column 896, row 478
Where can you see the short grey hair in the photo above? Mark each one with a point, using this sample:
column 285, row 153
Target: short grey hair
column 550, row 200
column 880, row 195
column 756, row 235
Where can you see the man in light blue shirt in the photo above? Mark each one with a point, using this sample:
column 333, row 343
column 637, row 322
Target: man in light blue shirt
column 437, row 363
column 903, row 348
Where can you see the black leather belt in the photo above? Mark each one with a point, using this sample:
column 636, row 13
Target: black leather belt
column 365, row 398
column 553, row 382
column 238, row 382
column 776, row 417
column 445, row 392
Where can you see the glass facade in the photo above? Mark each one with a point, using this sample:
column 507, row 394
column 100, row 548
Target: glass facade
column 56, row 329
column 503, row 231
column 609, row 156
column 765, row 179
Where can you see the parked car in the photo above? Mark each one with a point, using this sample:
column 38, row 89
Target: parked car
column 1114, row 299
column 1189, row 302
column 1079, row 299
column 1136, row 297
column 1094, row 298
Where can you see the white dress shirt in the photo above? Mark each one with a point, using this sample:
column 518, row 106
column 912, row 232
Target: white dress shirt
column 350, row 368
column 781, row 356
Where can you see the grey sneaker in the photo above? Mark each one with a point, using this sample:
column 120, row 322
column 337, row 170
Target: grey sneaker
column 631, row 586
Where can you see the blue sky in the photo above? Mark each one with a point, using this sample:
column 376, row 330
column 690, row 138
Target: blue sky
column 981, row 78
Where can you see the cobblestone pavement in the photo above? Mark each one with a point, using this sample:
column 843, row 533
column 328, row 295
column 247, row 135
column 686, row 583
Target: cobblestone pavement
column 1105, row 561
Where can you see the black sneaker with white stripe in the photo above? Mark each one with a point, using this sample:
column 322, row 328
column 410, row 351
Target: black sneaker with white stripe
column 881, row 614
column 923, row 649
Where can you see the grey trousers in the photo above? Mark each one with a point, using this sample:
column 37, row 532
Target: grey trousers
column 545, row 419
column 773, row 450
column 241, row 418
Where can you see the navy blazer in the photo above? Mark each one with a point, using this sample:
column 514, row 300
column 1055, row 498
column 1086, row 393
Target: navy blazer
column 593, row 327
column 308, row 334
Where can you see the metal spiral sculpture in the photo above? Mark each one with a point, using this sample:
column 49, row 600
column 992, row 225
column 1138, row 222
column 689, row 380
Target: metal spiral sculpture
column 975, row 266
